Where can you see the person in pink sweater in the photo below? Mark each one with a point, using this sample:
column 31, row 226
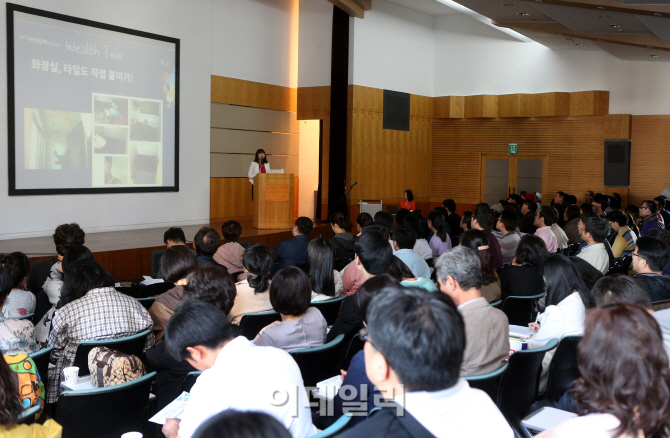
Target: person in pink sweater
column 230, row 254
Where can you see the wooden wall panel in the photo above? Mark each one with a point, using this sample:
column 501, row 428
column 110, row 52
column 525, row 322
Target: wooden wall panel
column 517, row 105
column 553, row 105
column 230, row 197
column 574, row 146
column 483, row 105
column 420, row 106
column 449, row 107
column 254, row 94
column 366, row 98
column 589, row 103
column 313, row 99
column 650, row 160
column 618, row 126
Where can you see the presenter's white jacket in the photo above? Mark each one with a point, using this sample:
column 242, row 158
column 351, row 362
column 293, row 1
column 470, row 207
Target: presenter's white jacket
column 253, row 170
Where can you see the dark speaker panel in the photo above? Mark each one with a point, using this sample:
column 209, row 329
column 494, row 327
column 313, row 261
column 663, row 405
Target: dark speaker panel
column 617, row 163
column 396, row 110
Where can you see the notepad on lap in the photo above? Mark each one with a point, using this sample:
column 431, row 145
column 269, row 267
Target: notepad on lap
column 546, row 418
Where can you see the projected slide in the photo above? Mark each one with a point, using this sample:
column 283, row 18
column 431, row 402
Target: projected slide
column 93, row 107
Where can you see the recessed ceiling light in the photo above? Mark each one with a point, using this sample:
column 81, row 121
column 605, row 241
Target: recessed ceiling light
column 524, row 14
column 600, row 7
column 654, row 56
column 657, row 14
column 614, row 25
column 579, row 44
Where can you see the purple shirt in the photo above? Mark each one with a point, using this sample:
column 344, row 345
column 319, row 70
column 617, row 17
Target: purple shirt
column 549, row 238
column 438, row 246
column 494, row 247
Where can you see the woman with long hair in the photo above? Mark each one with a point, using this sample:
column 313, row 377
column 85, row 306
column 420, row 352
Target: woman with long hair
column 20, row 301
column 524, row 276
column 440, row 242
column 259, row 165
column 325, row 280
column 408, row 201
column 413, row 223
column 401, row 273
column 477, row 240
column 16, row 336
column 343, row 240
column 253, row 293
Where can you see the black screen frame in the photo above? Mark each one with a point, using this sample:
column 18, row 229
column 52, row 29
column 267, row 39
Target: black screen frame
column 11, row 116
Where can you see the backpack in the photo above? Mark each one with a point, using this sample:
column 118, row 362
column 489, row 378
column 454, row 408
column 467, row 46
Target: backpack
column 111, row 367
column 29, row 384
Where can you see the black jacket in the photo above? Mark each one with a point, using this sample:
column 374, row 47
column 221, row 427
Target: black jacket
column 388, row 424
column 343, row 244
column 657, row 286
column 520, row 281
column 454, row 222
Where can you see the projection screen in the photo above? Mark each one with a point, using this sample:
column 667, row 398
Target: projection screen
column 92, row 108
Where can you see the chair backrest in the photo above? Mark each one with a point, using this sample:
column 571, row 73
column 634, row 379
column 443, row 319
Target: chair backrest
column 252, row 323
column 496, row 304
column 318, row 363
column 571, row 250
column 156, row 262
column 28, row 416
column 355, row 345
column 105, row 412
column 487, row 382
column 130, row 345
column 660, row 305
column 625, row 263
column 563, row 369
column 189, row 380
column 521, row 310
column 41, row 359
column 334, row 429
column 329, row 308
column 519, row 382
column 147, row 302
column 28, row 317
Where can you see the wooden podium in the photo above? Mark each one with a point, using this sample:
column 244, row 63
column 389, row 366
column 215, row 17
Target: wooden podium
column 273, row 201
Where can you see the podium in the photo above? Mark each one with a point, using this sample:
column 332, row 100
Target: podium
column 273, row 201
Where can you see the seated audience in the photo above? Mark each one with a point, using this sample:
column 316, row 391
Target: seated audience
column 440, row 242
column 16, row 336
column 561, row 237
column 293, row 252
column 326, row 282
column 586, row 208
column 649, row 216
column 373, row 257
column 566, row 303
column 10, row 408
column 544, row 219
column 402, row 274
column 172, row 236
column 20, row 302
column 352, row 277
column 661, row 203
column 206, row 242
column 452, row 219
column 459, row 275
column 253, row 294
column 414, row 349
column 412, row 222
column 663, row 236
column 362, row 220
column 65, row 237
column 624, row 243
column 571, row 228
column 620, row 289
column 237, row 424
column 408, row 203
column 230, row 254
column 594, row 231
column 484, row 220
column 632, row 225
column 178, row 263
column 466, row 221
column 476, row 240
column 343, row 240
column 403, row 242
column 601, row 202
column 587, row 272
column 524, row 276
column 627, row 396
column 649, row 258
column 92, row 310
column 527, row 220
column 301, row 326
column 507, row 224
column 52, row 288
column 236, row 373
column 560, row 199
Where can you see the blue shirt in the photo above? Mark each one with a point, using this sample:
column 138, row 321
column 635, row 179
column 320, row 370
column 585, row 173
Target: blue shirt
column 414, row 262
column 291, row 252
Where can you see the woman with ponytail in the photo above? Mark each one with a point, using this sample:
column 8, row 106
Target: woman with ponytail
column 477, row 240
column 253, row 293
column 440, row 242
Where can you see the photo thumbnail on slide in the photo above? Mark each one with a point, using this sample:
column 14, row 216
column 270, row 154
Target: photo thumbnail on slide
column 110, row 170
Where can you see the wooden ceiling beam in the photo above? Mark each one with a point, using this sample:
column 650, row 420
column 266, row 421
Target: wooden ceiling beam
column 351, row 7
column 611, row 6
column 365, row 4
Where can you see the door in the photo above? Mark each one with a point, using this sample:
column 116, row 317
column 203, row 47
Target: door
column 502, row 175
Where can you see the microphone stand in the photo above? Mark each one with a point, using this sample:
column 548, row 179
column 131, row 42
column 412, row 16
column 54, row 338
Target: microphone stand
column 340, row 200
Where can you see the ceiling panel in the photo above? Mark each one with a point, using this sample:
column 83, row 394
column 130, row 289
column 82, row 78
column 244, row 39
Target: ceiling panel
column 583, row 20
column 556, row 42
column 430, row 7
column 660, row 26
column 645, row 2
column 504, row 10
column 631, row 53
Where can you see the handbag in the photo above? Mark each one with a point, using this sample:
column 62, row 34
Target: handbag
column 111, row 367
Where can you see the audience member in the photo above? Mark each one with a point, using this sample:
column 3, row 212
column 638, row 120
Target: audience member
column 663, row 236
column 601, row 202
column 561, row 237
column 384, row 219
column 571, row 228
column 421, row 247
column 632, row 225
column 615, row 201
column 326, row 282
column 206, row 242
column 544, row 219
column 20, row 302
column 649, row 259
column 538, row 199
column 253, row 294
column 477, row 241
column 230, row 254
column 343, row 240
column 236, row 373
column 560, row 199
column 93, row 310
column 594, row 230
column 459, row 275
column 586, row 208
column 178, row 263
column 65, row 237
column 237, row 424
column 649, row 216
column 16, row 336
column 414, row 349
column 440, row 242
column 452, row 219
column 507, row 224
column 588, row 197
column 524, row 276
column 172, row 236
column 293, row 252
column 484, row 220
column 362, row 220
column 52, row 288
column 625, row 397
column 401, row 273
column 587, row 272
column 408, row 202
column 466, row 221
column 620, row 289
column 624, row 243
column 403, row 242
column 352, row 277
column 661, row 204
column 527, row 219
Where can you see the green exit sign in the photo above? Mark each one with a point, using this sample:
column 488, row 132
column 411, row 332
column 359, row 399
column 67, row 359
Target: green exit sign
column 512, row 148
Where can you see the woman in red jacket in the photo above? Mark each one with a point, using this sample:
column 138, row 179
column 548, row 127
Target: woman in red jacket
column 408, row 203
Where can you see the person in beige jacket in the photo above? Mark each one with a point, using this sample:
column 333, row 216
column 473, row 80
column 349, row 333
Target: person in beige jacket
column 459, row 276
column 230, row 254
column 253, row 293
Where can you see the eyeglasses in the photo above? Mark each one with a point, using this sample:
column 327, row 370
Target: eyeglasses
column 638, row 255
column 644, row 206
column 364, row 336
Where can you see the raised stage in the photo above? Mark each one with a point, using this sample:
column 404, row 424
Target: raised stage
column 127, row 254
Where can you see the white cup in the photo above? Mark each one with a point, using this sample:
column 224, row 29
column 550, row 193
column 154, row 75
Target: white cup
column 71, row 375
column 132, row 435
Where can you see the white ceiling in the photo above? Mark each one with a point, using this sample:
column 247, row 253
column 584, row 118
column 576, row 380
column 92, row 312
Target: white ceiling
column 430, row 7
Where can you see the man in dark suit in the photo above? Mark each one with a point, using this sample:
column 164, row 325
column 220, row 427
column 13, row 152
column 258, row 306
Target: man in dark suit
column 413, row 352
column 452, row 218
column 293, row 252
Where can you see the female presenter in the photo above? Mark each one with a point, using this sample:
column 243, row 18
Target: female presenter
column 259, row 165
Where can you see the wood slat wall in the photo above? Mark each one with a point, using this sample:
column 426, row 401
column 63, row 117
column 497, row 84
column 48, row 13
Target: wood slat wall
column 253, row 94
column 650, row 160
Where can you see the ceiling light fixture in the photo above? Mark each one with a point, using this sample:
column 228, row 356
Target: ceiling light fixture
column 579, row 44
column 600, row 7
column 654, row 56
column 524, row 14
column 614, row 25
column 658, row 14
